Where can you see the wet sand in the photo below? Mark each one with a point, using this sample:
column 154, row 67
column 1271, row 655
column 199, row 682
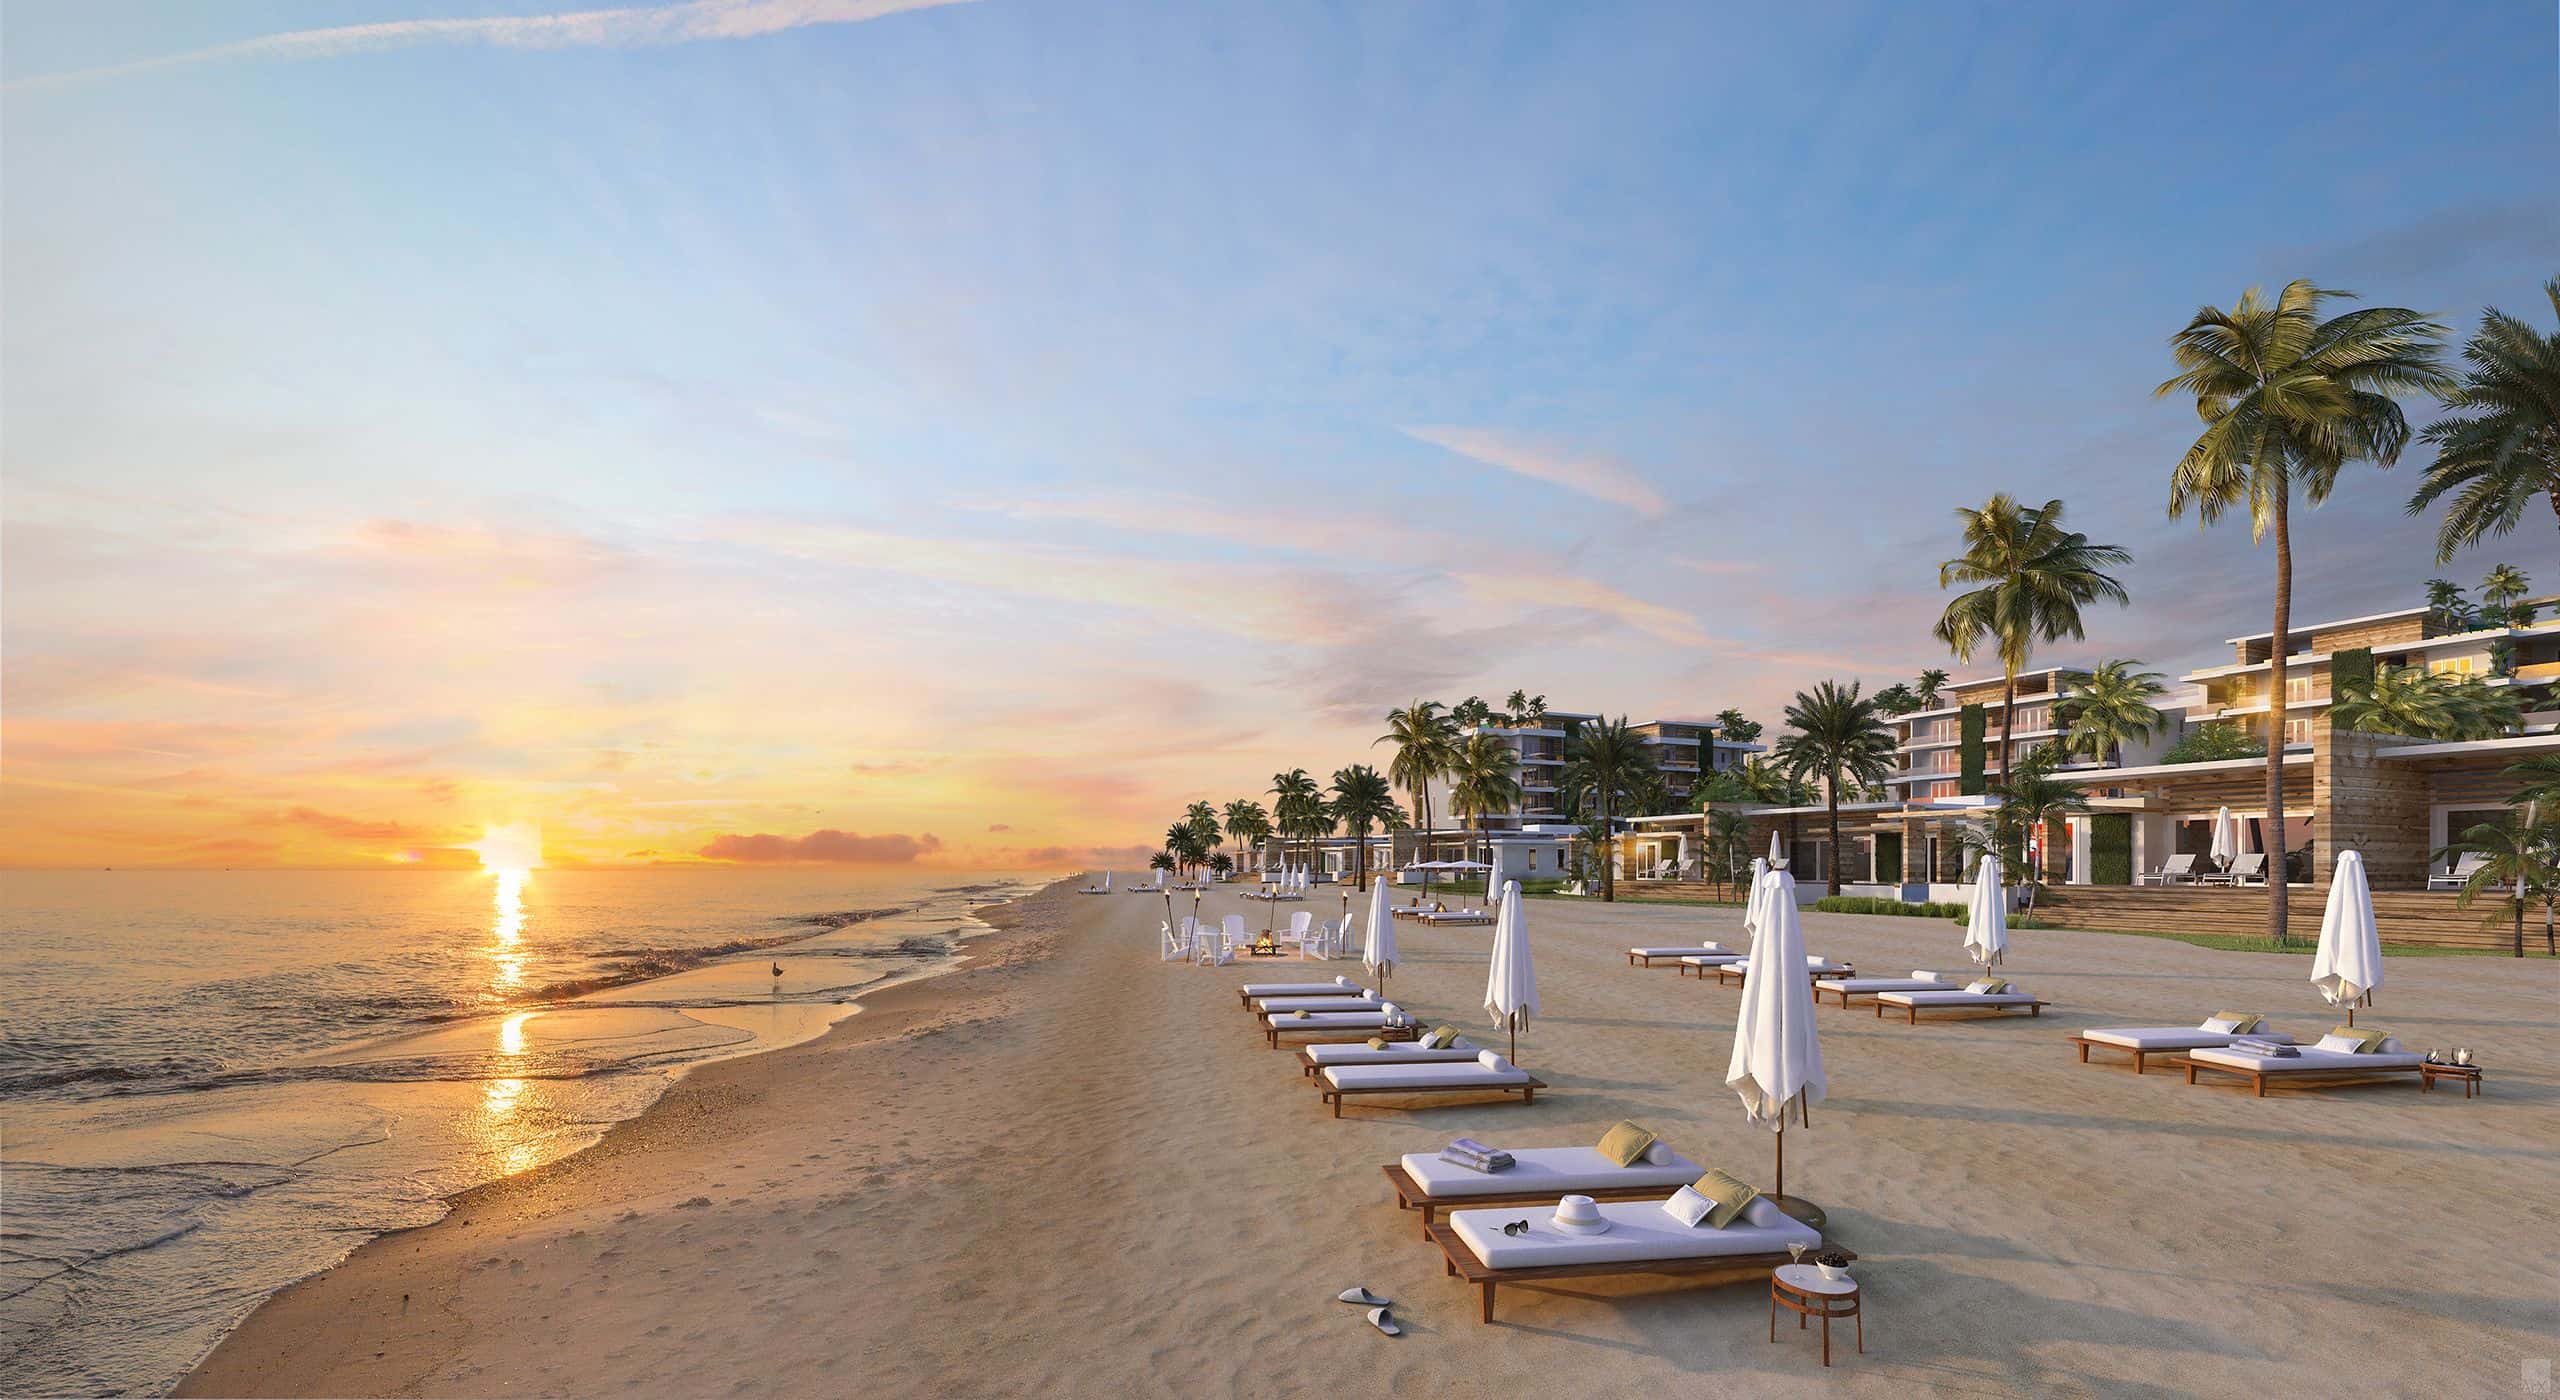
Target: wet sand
column 1072, row 1169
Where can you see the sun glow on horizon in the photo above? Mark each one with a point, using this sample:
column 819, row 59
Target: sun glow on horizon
column 510, row 849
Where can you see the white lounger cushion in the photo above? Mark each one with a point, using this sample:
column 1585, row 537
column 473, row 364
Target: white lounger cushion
column 1551, row 1171
column 1297, row 989
column 2311, row 1059
column 1328, row 1021
column 1693, row 950
column 2170, row 1038
column 1398, row 1052
column 1639, row 1232
column 1285, row 1005
column 1880, row 984
column 1816, row 966
column 1432, row 1076
column 1713, row 959
column 1954, row 998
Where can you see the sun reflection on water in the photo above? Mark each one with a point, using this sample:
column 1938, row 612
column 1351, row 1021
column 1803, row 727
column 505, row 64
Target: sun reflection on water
column 508, row 931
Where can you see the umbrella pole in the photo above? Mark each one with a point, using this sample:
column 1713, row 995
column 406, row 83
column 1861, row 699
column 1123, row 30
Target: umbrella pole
column 1782, row 1159
column 1515, row 1036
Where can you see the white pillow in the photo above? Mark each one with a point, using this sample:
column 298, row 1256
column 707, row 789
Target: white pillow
column 1391, row 1009
column 2221, row 1025
column 1922, row 974
column 1343, row 982
column 2343, row 1044
column 1658, row 1153
column 1687, row 1206
column 1980, row 987
column 1492, row 1060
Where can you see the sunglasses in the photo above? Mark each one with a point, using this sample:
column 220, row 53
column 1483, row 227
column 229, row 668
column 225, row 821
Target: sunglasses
column 1516, row 1227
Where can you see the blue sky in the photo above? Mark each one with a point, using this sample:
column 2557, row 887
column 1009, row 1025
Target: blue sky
column 1180, row 385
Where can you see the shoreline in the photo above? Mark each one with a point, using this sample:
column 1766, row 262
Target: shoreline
column 696, row 1093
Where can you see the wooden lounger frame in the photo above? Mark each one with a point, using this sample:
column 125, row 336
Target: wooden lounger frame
column 1636, row 959
column 1410, row 1195
column 1700, row 970
column 1247, row 1002
column 2324, row 1076
column 2031, row 1007
column 1459, row 1261
column 1732, row 972
column 1841, row 992
column 1455, row 920
column 2141, row 1058
column 1528, row 1090
column 1271, row 1032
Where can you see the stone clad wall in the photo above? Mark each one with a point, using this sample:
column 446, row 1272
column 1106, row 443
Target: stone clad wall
column 2364, row 804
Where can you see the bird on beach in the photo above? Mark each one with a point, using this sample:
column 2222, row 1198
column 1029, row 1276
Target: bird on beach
column 777, row 970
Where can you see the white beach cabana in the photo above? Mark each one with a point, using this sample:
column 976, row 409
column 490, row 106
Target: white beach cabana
column 1986, row 915
column 2348, row 966
column 1511, row 983
column 1380, row 955
column 1777, row 1061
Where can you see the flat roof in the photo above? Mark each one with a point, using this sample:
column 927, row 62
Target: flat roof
column 2392, row 616
column 2513, row 743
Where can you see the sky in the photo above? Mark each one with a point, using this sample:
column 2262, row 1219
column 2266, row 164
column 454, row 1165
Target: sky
column 881, row 431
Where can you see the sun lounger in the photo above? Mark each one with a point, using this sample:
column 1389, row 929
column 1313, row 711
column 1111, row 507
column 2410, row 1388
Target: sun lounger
column 1426, row 1182
column 2176, row 870
column 1459, row 916
column 1911, row 1004
column 1845, row 988
column 1272, row 1006
column 2244, row 869
column 1644, row 957
column 1732, row 973
column 1641, row 1239
column 1700, row 964
column 1333, row 1025
column 1474, row 1077
column 1315, row 1058
column 2310, row 1065
column 1251, row 992
column 2464, row 867
column 2142, row 1042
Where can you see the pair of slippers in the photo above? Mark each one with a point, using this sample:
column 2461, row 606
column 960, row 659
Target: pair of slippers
column 1379, row 1317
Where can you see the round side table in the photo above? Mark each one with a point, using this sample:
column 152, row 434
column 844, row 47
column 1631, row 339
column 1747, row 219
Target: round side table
column 1801, row 1289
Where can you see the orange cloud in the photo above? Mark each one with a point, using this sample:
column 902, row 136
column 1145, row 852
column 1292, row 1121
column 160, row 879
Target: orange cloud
column 828, row 846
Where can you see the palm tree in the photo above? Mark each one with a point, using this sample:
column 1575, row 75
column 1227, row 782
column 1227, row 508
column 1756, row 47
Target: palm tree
column 2500, row 447
column 1897, row 699
column 1182, row 840
column 2288, row 400
column 1247, row 824
column 2035, row 577
column 1361, row 800
column 1840, row 736
column 1203, row 821
column 2451, row 608
column 1516, row 707
column 1425, row 738
column 1161, row 860
column 2111, row 707
column 1537, row 711
column 2516, row 863
column 1931, row 686
column 2540, row 779
column 1733, row 724
column 2400, row 700
column 2032, row 798
column 1605, row 768
column 2504, row 587
column 1480, row 783
column 2481, row 710
column 1295, row 806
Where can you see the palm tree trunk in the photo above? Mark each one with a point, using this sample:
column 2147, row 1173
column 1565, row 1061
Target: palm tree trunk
column 2519, row 925
column 2008, row 721
column 1831, row 800
column 2281, row 643
column 1608, row 856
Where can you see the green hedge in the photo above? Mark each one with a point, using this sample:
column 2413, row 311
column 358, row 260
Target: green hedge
column 2111, row 848
column 1888, row 858
column 2350, row 669
column 1973, row 723
column 1874, row 904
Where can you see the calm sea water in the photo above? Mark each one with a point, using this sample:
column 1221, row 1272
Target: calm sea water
column 215, row 1083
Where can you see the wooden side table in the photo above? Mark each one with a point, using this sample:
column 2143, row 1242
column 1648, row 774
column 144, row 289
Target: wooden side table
column 1801, row 1289
column 2468, row 1074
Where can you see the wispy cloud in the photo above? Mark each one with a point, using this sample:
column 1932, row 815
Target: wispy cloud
column 828, row 846
column 1586, row 595
column 633, row 26
column 1598, row 477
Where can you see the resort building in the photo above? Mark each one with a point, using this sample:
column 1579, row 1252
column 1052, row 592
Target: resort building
column 1684, row 751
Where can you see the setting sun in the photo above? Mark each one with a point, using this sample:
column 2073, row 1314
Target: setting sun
column 510, row 849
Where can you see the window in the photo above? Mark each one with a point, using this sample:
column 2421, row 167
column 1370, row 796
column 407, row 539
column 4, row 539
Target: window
column 2297, row 688
column 2297, row 731
column 1944, row 789
column 2454, row 666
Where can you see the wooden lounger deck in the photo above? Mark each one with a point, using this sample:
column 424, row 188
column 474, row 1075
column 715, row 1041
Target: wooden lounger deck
column 2032, row 1008
column 2319, row 1077
column 2140, row 1057
column 1461, row 1262
column 1527, row 1090
column 1247, row 1002
column 1843, row 993
column 1636, row 959
column 1411, row 1196
column 1733, row 973
column 1271, row 1033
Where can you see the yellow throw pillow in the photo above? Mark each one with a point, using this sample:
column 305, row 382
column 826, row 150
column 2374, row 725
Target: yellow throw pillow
column 1625, row 1143
column 2244, row 1022
column 1442, row 1037
column 1377, row 1042
column 1729, row 1193
column 2372, row 1039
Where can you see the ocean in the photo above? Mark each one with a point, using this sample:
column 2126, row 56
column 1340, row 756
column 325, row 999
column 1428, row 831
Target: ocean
column 215, row 1083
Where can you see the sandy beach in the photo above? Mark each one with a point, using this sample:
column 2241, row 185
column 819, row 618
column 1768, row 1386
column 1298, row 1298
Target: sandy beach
column 1073, row 1169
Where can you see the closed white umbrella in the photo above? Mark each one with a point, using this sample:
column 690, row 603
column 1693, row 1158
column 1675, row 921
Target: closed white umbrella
column 1777, row 1062
column 1986, row 915
column 1380, row 955
column 1511, row 984
column 2226, row 838
column 2348, row 965
column 1752, row 901
column 1777, row 853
